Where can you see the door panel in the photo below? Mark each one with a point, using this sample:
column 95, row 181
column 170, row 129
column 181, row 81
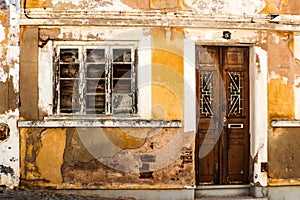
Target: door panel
column 223, row 136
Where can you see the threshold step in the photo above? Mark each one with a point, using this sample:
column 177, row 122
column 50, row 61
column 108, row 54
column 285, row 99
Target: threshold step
column 230, row 198
column 222, row 191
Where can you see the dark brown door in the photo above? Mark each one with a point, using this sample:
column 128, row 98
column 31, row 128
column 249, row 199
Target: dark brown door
column 222, row 142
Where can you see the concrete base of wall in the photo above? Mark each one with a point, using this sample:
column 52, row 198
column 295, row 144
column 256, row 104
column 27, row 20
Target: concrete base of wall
column 257, row 193
column 138, row 194
column 283, row 192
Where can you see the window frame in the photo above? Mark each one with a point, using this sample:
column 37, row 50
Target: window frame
column 82, row 49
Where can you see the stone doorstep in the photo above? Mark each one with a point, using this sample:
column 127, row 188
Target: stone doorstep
column 231, row 198
column 228, row 192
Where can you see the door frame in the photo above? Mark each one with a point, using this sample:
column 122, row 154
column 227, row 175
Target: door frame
column 258, row 102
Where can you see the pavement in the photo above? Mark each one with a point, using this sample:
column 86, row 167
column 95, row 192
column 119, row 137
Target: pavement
column 18, row 194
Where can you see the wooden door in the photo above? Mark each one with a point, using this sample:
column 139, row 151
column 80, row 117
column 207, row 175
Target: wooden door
column 222, row 142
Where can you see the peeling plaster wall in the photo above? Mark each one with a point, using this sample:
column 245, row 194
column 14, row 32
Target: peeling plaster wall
column 275, row 94
column 283, row 95
column 9, row 91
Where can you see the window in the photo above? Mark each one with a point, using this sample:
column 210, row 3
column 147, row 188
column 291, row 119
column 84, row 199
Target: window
column 97, row 79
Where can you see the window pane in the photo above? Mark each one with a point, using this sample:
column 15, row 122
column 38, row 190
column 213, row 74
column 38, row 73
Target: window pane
column 122, row 103
column 95, row 71
column 95, row 86
column 122, row 86
column 122, row 55
column 95, row 55
column 69, row 96
column 68, row 55
column 121, row 71
column 69, row 70
column 95, row 103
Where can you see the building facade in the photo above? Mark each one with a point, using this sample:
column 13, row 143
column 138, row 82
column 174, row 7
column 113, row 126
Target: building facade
column 157, row 99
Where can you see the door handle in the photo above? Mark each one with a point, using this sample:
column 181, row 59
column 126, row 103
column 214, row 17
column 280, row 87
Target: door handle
column 236, row 125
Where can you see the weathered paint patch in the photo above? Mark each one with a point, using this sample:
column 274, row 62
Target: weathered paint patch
column 38, row 4
column 280, row 100
column 4, row 132
column 2, row 33
column 9, row 159
column 215, row 35
column 281, row 7
column 280, row 46
column 45, row 81
column 236, row 7
column 126, row 138
column 106, row 5
column 49, row 157
column 167, row 74
column 141, row 4
column 297, row 97
column 297, row 46
column 3, row 4
column 284, row 160
column 3, row 75
column 6, row 170
column 158, row 4
column 271, row 8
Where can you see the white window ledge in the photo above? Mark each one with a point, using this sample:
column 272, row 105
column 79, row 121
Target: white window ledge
column 285, row 123
column 122, row 123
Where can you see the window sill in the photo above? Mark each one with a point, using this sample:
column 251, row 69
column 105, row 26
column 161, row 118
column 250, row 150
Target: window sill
column 93, row 123
column 285, row 123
